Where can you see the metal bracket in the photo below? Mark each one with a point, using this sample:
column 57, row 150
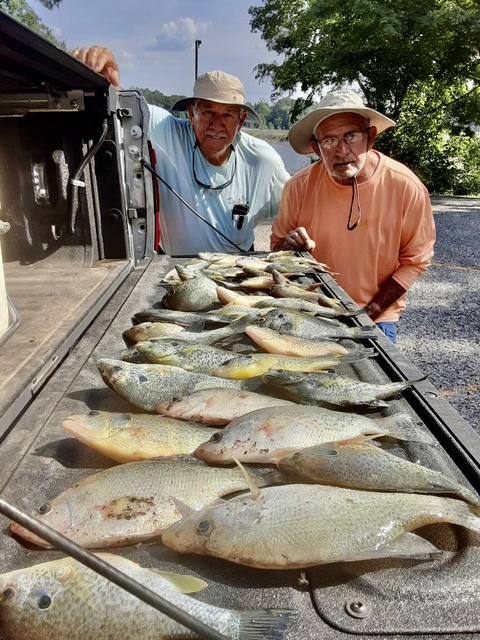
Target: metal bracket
column 18, row 104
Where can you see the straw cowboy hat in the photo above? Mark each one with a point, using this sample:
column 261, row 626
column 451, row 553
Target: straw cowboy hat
column 217, row 86
column 342, row 101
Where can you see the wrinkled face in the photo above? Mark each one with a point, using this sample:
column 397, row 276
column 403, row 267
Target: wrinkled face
column 344, row 161
column 215, row 126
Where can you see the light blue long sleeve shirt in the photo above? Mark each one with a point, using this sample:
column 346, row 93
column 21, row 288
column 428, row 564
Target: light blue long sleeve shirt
column 258, row 176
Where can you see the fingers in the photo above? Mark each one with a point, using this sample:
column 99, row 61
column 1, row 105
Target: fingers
column 101, row 60
column 299, row 239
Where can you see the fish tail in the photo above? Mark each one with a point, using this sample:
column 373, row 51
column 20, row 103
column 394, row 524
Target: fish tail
column 363, row 332
column 265, row 623
column 355, row 356
column 402, row 427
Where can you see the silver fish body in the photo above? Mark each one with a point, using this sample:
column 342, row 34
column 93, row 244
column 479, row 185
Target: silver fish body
column 199, row 358
column 296, row 526
column 194, row 294
column 255, row 437
column 357, row 464
column 218, row 406
column 133, row 502
column 65, row 600
column 301, row 325
column 146, row 385
column 182, row 318
column 330, row 389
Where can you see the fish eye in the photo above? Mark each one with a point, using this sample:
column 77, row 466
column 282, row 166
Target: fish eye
column 117, row 368
column 44, row 602
column 93, row 413
column 331, row 452
column 203, row 527
column 44, row 509
column 217, row 437
column 142, row 379
column 7, row 594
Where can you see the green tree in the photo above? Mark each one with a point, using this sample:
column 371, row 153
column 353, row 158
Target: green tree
column 383, row 46
column 418, row 64
column 280, row 113
column 21, row 11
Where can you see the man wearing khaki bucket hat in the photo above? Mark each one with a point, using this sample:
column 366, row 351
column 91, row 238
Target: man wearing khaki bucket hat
column 233, row 181
column 366, row 216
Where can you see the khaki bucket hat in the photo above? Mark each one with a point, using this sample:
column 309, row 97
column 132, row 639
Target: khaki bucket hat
column 217, row 86
column 341, row 101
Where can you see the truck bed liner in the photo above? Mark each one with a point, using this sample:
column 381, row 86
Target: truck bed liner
column 433, row 598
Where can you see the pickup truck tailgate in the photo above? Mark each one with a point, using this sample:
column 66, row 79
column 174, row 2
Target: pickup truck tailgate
column 424, row 597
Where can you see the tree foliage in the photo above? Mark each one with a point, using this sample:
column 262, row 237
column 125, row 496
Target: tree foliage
column 384, row 46
column 417, row 63
column 22, row 11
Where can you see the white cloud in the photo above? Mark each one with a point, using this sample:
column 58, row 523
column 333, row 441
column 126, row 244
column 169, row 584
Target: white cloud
column 179, row 35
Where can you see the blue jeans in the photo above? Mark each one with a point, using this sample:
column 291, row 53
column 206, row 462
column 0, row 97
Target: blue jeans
column 389, row 329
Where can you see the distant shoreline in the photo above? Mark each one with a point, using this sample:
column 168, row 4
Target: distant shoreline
column 275, row 136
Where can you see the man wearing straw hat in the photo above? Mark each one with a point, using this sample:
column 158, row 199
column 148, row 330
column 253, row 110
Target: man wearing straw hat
column 366, row 216
column 232, row 180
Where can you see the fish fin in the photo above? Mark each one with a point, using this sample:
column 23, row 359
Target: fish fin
column 265, row 623
column 277, row 454
column 406, row 544
column 183, row 508
column 250, row 482
column 402, row 427
column 196, row 327
column 180, row 582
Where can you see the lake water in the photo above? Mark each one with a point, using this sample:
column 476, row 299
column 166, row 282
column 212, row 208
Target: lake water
column 292, row 160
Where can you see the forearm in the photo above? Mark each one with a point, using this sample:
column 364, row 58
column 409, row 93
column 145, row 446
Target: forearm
column 389, row 292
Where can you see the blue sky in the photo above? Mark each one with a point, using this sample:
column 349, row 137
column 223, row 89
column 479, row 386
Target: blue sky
column 154, row 40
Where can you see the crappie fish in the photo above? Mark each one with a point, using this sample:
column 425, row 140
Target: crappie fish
column 133, row 502
column 276, row 342
column 218, row 406
column 301, row 325
column 219, row 259
column 256, row 364
column 245, row 300
column 193, row 265
column 199, row 358
column 312, row 308
column 283, row 288
column 330, row 389
column 146, row 385
column 211, row 336
column 126, row 437
column 358, row 464
column 194, row 294
column 147, row 330
column 65, row 600
column 183, row 318
column 256, row 436
column 302, row 525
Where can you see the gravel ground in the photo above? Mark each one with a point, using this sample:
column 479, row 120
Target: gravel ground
column 440, row 329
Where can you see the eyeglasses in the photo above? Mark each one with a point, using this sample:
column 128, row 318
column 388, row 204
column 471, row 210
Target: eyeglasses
column 350, row 139
column 210, row 186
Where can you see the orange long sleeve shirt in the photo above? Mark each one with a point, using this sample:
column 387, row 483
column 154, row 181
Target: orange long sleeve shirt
column 395, row 236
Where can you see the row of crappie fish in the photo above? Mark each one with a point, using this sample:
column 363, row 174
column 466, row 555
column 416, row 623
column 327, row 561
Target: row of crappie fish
column 322, row 490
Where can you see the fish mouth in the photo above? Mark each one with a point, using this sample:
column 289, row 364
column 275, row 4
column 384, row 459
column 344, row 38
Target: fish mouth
column 203, row 452
column 28, row 536
column 75, row 426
